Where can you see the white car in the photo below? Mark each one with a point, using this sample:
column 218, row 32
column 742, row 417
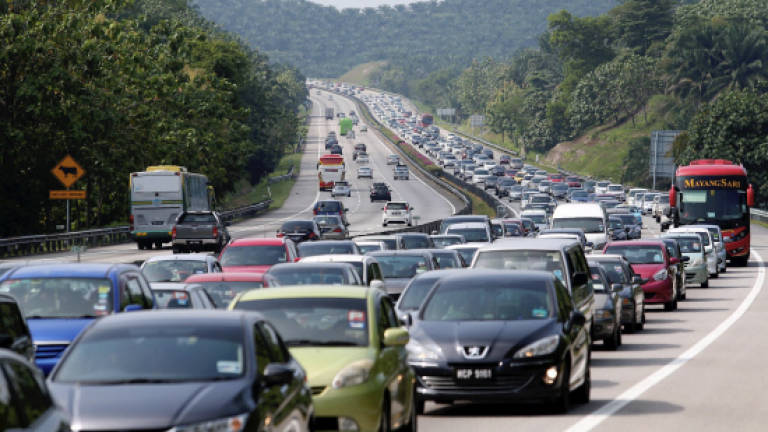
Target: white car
column 365, row 172
column 363, row 158
column 363, row 128
column 397, row 212
column 393, row 159
column 341, row 188
column 616, row 190
column 648, row 202
column 488, row 164
column 479, row 175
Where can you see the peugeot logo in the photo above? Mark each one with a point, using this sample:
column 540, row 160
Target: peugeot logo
column 474, row 352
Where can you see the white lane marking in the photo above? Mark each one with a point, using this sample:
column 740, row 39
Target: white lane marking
column 593, row 420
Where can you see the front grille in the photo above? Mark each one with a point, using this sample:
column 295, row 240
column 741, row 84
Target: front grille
column 325, row 423
column 49, row 351
column 501, row 382
column 316, row 390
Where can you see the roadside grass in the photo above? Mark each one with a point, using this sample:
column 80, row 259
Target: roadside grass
column 246, row 194
column 761, row 223
column 361, row 73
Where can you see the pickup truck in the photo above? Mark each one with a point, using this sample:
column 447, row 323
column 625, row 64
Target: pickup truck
column 197, row 231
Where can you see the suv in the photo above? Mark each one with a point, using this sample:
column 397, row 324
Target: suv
column 331, row 207
column 398, row 212
column 380, row 191
column 14, row 333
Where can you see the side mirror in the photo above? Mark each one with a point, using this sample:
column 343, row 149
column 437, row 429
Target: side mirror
column 132, row 308
column 580, row 278
column 376, row 284
column 395, row 336
column 277, row 374
column 617, row 287
column 5, row 340
column 577, row 319
column 685, row 259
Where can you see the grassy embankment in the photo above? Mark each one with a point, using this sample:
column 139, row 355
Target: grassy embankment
column 245, row 193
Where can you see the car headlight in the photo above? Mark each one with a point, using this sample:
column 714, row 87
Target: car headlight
column 697, row 261
column 603, row 314
column 541, row 347
column 228, row 424
column 353, row 374
column 420, row 353
column 660, row 275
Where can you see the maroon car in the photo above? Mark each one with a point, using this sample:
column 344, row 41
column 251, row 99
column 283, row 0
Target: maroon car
column 650, row 260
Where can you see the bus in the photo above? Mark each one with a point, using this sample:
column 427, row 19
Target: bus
column 158, row 195
column 716, row 192
column 427, row 120
column 330, row 169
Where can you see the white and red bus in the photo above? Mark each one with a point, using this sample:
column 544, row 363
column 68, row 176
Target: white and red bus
column 330, row 169
column 426, row 120
column 716, row 192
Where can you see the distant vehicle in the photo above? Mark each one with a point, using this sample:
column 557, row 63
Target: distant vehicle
column 183, row 296
column 363, row 128
column 365, row 172
column 366, row 266
column 399, row 266
column 472, row 231
column 426, row 120
column 590, row 217
column 607, row 308
column 223, row 287
column 177, row 268
column 341, row 188
column 397, row 212
column 158, row 196
column 312, row 273
column 379, row 192
column 328, row 247
column 345, row 126
column 329, row 111
column 331, row 227
column 362, row 158
column 331, row 207
column 619, row 271
column 443, row 240
column 199, row 231
column 393, row 159
column 414, row 240
column 400, row 172
column 331, row 168
column 366, row 246
column 649, row 259
column 257, row 254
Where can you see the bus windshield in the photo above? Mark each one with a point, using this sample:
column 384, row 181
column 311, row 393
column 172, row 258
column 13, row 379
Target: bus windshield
column 716, row 206
column 156, row 183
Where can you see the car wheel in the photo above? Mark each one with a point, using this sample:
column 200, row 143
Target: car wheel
column 612, row 342
column 714, row 275
column 412, row 425
column 562, row 403
column 670, row 306
column 642, row 320
column 140, row 245
column 705, row 284
column 582, row 394
column 384, row 423
column 158, row 245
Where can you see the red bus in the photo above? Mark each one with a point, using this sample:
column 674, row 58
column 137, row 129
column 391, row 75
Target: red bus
column 330, row 169
column 427, row 120
column 715, row 191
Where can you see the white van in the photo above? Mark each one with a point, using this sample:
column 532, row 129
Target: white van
column 635, row 192
column 590, row 217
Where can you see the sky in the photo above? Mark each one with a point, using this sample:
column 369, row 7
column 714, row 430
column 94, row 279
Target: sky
column 341, row 4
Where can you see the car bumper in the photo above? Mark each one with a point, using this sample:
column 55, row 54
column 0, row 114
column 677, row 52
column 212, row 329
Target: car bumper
column 696, row 274
column 395, row 219
column 195, row 242
column 602, row 328
column 361, row 403
column 152, row 236
column 658, row 291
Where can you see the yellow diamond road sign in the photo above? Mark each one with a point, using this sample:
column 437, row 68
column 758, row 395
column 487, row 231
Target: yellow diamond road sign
column 68, row 171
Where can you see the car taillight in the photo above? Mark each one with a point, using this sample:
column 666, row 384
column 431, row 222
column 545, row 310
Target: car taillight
column 311, row 235
column 130, row 221
column 215, row 231
column 314, row 212
column 337, row 230
column 173, row 233
column 280, row 234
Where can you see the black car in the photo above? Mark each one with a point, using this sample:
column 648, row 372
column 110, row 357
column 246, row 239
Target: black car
column 399, row 266
column 219, row 370
column 299, row 230
column 673, row 249
column 617, row 229
column 490, row 182
column 380, row 192
column 336, row 149
column 606, row 312
column 619, row 271
column 328, row 247
column 14, row 333
column 414, row 241
column 502, row 186
column 25, row 403
column 492, row 336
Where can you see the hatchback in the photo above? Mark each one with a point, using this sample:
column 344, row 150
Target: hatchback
column 177, row 268
column 397, row 212
column 341, row 188
column 649, row 259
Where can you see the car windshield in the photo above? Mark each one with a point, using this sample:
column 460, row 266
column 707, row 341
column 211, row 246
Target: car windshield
column 321, row 248
column 415, row 242
column 328, row 220
column 626, row 219
column 538, row 219
column 589, row 225
column 253, row 255
column 368, row 247
column 172, row 299
column 471, row 234
column 521, row 301
column 468, row 253
column 121, row 355
column 396, row 206
column 329, row 206
column 315, row 321
column 173, row 270
column 579, row 194
column 61, row 297
column 638, row 254
column 522, row 260
column 689, row 244
column 297, row 227
column 402, row 266
column 222, row 293
column 301, row 275
column 540, row 199
column 447, row 260
column 197, row 218
column 482, row 172
column 614, row 271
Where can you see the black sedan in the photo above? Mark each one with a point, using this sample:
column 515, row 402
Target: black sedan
column 216, row 370
column 380, row 192
column 299, row 230
column 490, row 336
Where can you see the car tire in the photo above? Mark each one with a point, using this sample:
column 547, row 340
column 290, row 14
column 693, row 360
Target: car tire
column 412, row 425
column 582, row 394
column 384, row 422
column 642, row 320
column 158, row 245
column 612, row 342
column 562, row 402
column 714, row 275
column 705, row 284
column 670, row 306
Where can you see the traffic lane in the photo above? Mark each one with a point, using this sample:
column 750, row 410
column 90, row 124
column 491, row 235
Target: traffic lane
column 666, row 336
column 723, row 388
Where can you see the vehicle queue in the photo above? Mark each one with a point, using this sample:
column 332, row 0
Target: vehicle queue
column 317, row 330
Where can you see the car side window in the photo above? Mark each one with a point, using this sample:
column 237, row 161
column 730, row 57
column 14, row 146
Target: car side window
column 133, row 293
column 31, row 398
column 277, row 351
column 147, row 292
column 261, row 349
column 579, row 264
column 9, row 418
column 387, row 316
column 11, row 322
column 564, row 303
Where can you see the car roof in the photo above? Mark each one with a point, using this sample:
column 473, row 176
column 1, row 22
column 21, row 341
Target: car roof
column 657, row 242
column 531, row 244
column 605, row 257
column 257, row 242
column 315, row 291
column 412, row 234
column 421, row 252
column 327, row 242
column 180, row 257
column 225, row 277
column 310, row 265
column 461, row 225
column 193, row 318
column 74, row 270
column 330, row 258
column 474, row 276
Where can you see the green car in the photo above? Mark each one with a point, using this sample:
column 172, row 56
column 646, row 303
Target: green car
column 352, row 346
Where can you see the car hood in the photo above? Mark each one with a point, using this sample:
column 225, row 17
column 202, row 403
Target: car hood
column 148, row 406
column 323, row 363
column 56, row 329
column 646, row 271
column 500, row 336
column 247, row 269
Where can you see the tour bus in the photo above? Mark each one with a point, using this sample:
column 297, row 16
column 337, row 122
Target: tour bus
column 426, row 120
column 158, row 195
column 716, row 192
column 330, row 169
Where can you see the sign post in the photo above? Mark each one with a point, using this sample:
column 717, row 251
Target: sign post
column 67, row 171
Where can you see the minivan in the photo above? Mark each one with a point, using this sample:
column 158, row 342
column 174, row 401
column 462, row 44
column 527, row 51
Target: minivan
column 590, row 217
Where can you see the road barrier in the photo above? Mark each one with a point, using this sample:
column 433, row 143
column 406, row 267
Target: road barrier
column 760, row 215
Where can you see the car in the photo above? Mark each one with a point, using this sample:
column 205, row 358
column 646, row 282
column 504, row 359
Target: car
column 527, row 341
column 559, row 190
column 198, row 231
column 14, row 332
column 399, row 266
column 475, row 232
column 390, row 241
column 512, row 227
column 601, row 187
column 307, row 273
column 337, row 149
column 299, row 231
column 673, row 249
column 397, row 212
column 717, row 241
column 60, row 300
column 606, row 310
column 366, row 246
column 617, row 229
column 617, row 191
column 26, row 403
column 577, row 232
column 515, row 193
column 414, row 240
column 183, row 296
column 479, row 175
column 393, row 159
column 363, row 128
column 416, row 291
column 707, row 240
column 219, row 370
column 660, row 207
column 448, row 259
column 341, row 188
column 257, row 254
column 325, row 247
column 177, row 268
column 590, row 217
column 330, row 207
column 538, row 215
column 450, row 220
column 619, row 271
column 505, row 159
column 366, row 266
column 650, row 259
column 578, row 196
column 331, row 227
column 443, row 240
column 540, row 201
column 691, row 246
column 647, row 202
column 633, row 229
column 365, row 172
column 503, row 186
column 380, row 192
column 353, row 348
column 562, row 257
column 400, row 172
column 224, row 287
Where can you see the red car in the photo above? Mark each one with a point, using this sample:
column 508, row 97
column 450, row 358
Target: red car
column 257, row 255
column 650, row 260
column 223, row 287
column 573, row 182
column 555, row 178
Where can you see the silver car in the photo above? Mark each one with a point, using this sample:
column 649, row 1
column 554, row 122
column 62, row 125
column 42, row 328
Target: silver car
column 365, row 172
column 341, row 188
column 331, row 227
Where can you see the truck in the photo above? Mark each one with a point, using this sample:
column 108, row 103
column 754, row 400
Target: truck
column 345, row 125
column 329, row 113
column 198, row 231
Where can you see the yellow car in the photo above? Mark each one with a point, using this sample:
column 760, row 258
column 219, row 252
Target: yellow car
column 352, row 346
column 519, row 176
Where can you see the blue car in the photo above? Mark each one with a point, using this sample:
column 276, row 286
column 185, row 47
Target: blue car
column 60, row 300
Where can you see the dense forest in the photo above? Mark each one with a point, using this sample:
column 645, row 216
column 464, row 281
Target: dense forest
column 120, row 85
column 416, row 39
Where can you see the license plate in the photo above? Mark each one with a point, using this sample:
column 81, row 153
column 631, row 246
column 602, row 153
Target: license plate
column 157, row 222
column 395, row 212
column 474, row 374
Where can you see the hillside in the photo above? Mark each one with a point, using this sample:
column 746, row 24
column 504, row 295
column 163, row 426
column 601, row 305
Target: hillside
column 421, row 38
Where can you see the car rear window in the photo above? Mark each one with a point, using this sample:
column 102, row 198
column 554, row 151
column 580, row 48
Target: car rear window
column 397, row 206
column 329, row 206
column 197, row 218
column 321, row 248
column 253, row 255
column 638, row 254
column 297, row 226
column 172, row 299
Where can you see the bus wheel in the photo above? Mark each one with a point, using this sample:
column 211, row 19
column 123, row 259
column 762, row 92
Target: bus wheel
column 158, row 245
column 140, row 245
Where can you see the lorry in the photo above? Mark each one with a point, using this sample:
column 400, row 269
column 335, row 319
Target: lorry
column 329, row 113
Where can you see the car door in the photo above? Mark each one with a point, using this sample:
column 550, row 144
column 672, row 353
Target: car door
column 582, row 295
column 578, row 337
column 34, row 407
column 392, row 361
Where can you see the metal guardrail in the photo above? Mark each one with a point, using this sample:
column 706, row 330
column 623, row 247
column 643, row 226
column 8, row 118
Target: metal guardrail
column 284, row 177
column 758, row 214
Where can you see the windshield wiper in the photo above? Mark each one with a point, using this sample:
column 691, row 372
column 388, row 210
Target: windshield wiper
column 60, row 316
column 308, row 342
column 135, row 381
